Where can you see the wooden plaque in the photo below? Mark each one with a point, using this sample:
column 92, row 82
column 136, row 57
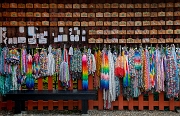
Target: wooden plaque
column 146, row 5
column 29, row 14
column 153, row 40
column 130, row 23
column 13, row 14
column 122, row 5
column 122, row 14
column 107, row 5
column 169, row 31
column 169, row 5
column 114, row 31
column 99, row 40
column 5, row 5
column 61, row 14
column 161, row 14
column 177, row 4
column 169, row 40
column 169, row 22
column 21, row 14
column 115, row 23
column 91, row 6
column 0, row 23
column 122, row 23
column 145, row 40
column 99, row 14
column 99, row 32
column 61, row 23
column 76, row 6
column 91, row 15
column 154, row 5
column 99, row 23
column 122, row 32
column 137, row 40
column 114, row 14
column 60, row 6
column 21, row 5
column 6, row 14
column 76, row 14
column 13, row 5
column 45, row 5
column 30, row 23
column 37, row 5
column 53, row 5
column 130, row 40
column 53, row 23
column 122, row 40
column 138, row 23
column 130, row 14
column 0, row 14
column 154, row 23
column 107, row 14
column 114, row 5
column 146, row 14
column 91, row 40
column 37, row 23
column 146, row 23
column 76, row 23
column 107, row 23
column 154, row 14
column 29, row 5
column 138, row 14
column 99, row 6
column 162, row 31
column 53, row 14
column 177, row 40
column 161, row 22
column 92, row 23
column 145, row 32
column 92, row 32
column 161, row 40
column 177, row 13
column 69, row 23
column 107, row 40
column 6, row 23
column 84, row 5
column 130, row 32
column 177, row 22
column 161, row 5
column 153, row 32
column 45, row 14
column 114, row 40
column 84, row 14
column 68, row 14
column 169, row 14
column 13, row 23
column 138, row 31
column 84, row 23
column 177, row 31
column 37, row 14
column 130, row 5
column 45, row 23
column 138, row 5
column 107, row 32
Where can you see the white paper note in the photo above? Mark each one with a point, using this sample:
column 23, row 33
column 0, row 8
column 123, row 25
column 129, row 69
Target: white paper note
column 21, row 29
column 31, row 41
column 9, row 40
column 45, row 33
column 31, row 31
column 41, row 35
column 76, row 37
column 15, row 40
column 61, row 29
column 37, row 35
column 78, row 32
column 72, row 38
column 60, row 38
column 65, row 38
column 21, row 39
column 83, row 38
column 55, row 39
column 43, row 41
column 4, row 28
column 0, row 34
column 75, row 28
column 53, row 34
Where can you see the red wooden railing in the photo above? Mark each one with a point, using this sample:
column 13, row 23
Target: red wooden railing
column 120, row 103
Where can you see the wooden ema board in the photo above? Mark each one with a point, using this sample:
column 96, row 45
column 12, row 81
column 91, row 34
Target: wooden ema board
column 120, row 103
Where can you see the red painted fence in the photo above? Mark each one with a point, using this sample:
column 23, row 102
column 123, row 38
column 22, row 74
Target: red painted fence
column 120, row 103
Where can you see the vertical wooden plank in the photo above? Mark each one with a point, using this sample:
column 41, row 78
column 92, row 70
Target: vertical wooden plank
column 50, row 104
column 40, row 104
column 171, row 104
column 70, row 102
column 140, row 100
column 120, row 102
column 100, row 99
column 151, row 100
column 79, row 88
column 40, row 84
column 9, row 104
column 161, row 101
column 71, row 83
column 130, row 105
column 30, row 104
column 90, row 87
column 60, row 104
column 40, row 87
column 50, row 83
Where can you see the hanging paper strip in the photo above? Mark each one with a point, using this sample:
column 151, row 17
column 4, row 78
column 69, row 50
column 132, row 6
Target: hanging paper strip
column 84, row 72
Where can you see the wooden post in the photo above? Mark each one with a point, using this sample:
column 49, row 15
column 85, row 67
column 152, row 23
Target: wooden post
column 140, row 100
column 151, row 100
column 79, row 88
column 100, row 99
column 90, row 87
column 161, row 101
column 40, row 87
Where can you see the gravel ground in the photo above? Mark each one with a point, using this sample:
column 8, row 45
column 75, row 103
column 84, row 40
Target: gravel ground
column 91, row 113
